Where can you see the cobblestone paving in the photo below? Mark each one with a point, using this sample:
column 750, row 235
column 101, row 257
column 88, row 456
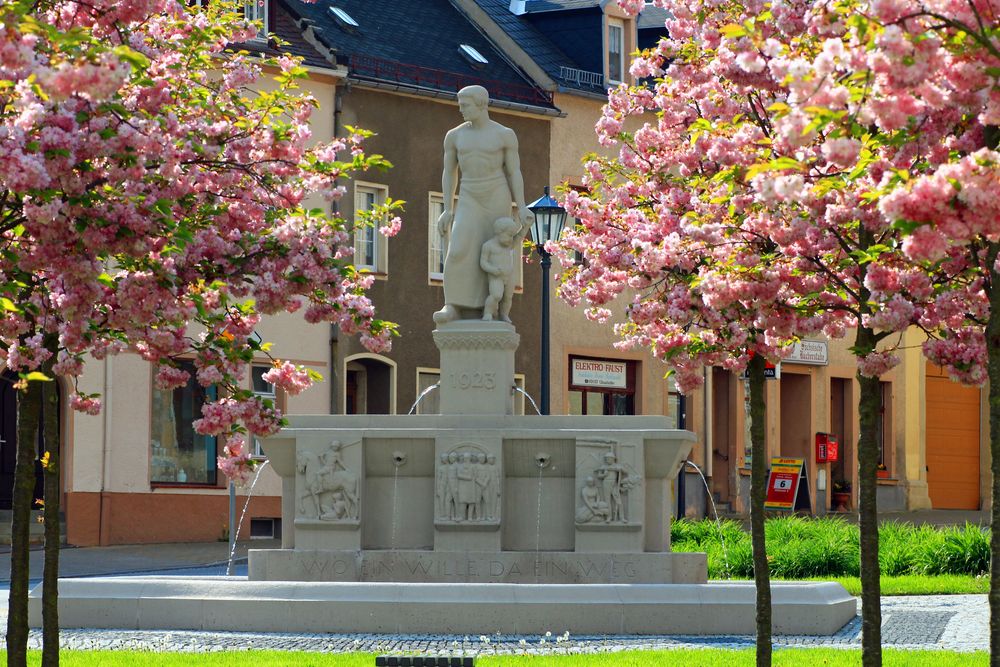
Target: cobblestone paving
column 948, row 622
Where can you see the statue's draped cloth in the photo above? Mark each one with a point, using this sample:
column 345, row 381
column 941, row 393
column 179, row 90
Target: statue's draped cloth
column 480, row 202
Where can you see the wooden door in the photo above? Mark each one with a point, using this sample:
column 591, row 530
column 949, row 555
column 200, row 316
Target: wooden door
column 952, row 413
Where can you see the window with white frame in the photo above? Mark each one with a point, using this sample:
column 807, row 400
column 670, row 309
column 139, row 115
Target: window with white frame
column 437, row 245
column 256, row 10
column 616, row 50
column 264, row 390
column 370, row 246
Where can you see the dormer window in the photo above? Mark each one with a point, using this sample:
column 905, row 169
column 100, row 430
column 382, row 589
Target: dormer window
column 475, row 58
column 256, row 10
column 344, row 20
column 616, row 51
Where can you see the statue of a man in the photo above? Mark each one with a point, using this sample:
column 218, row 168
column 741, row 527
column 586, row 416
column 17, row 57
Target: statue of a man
column 486, row 154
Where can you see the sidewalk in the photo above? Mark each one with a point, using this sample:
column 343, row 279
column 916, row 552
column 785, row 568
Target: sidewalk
column 124, row 559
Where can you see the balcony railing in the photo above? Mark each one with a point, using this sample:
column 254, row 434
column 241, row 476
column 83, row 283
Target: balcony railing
column 391, row 70
column 581, row 77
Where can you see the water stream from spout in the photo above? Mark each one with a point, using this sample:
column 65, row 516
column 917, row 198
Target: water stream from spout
column 429, row 389
column 538, row 520
column 718, row 522
column 528, row 396
column 395, row 480
column 232, row 551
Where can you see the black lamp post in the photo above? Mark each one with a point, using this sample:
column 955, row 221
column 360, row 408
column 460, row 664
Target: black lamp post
column 548, row 226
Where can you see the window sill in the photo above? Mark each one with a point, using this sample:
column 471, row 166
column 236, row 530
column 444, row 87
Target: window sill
column 184, row 485
column 888, row 481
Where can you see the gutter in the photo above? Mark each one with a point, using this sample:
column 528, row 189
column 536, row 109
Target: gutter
column 422, row 91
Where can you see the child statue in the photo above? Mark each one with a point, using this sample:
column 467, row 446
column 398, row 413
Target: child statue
column 499, row 260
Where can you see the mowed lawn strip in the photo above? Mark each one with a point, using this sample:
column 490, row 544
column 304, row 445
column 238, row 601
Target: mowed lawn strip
column 701, row 657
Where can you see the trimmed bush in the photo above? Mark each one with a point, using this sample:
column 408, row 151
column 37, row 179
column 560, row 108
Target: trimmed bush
column 802, row 547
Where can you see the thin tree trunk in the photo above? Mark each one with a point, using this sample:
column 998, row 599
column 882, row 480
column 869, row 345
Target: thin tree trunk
column 29, row 403
column 993, row 357
column 758, row 494
column 50, row 577
column 871, row 596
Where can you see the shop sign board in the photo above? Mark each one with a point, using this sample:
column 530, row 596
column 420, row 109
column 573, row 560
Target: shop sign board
column 599, row 373
column 787, row 488
column 810, row 353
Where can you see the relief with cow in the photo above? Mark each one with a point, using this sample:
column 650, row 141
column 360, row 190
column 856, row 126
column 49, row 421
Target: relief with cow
column 328, row 483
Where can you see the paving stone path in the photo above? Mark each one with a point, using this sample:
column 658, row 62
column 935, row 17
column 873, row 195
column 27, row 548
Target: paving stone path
column 947, row 622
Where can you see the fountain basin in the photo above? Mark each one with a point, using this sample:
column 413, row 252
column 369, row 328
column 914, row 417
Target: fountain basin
column 235, row 604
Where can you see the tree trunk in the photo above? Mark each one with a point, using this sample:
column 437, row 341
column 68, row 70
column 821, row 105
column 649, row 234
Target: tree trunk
column 53, row 540
column 871, row 597
column 758, row 494
column 993, row 364
column 29, row 403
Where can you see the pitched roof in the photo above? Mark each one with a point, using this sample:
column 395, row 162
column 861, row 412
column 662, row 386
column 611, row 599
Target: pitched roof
column 653, row 17
column 415, row 44
column 536, row 6
column 537, row 46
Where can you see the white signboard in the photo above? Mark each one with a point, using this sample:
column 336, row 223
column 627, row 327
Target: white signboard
column 597, row 373
column 809, row 352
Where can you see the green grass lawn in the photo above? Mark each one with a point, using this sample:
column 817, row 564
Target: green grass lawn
column 916, row 584
column 702, row 658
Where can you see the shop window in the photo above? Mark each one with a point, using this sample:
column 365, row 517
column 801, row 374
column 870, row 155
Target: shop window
column 178, row 454
column 601, row 386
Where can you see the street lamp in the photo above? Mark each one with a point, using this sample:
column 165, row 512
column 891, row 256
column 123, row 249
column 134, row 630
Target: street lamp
column 548, row 226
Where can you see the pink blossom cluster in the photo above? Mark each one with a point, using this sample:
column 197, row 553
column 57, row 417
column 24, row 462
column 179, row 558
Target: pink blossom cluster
column 236, row 463
column 148, row 194
column 850, row 149
column 288, row 377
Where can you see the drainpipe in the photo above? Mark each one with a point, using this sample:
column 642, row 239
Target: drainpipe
column 105, row 444
column 707, row 430
column 338, row 107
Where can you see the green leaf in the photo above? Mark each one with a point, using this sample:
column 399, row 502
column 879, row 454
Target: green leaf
column 36, row 376
column 732, row 31
column 131, row 56
column 9, row 305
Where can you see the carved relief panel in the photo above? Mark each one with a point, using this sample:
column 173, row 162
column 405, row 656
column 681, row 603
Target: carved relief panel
column 468, row 484
column 608, row 484
column 328, row 483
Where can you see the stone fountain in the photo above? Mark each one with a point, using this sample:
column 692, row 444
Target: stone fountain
column 473, row 521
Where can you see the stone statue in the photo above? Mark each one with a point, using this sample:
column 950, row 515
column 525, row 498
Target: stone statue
column 441, row 486
column 592, row 507
column 486, row 154
column 451, row 487
column 499, row 260
column 616, row 481
column 467, row 502
column 330, row 488
column 492, row 492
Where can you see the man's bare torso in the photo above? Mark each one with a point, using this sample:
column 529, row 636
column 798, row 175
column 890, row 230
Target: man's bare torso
column 480, row 152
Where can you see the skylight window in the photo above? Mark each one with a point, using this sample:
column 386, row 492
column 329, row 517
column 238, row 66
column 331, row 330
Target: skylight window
column 344, row 19
column 472, row 55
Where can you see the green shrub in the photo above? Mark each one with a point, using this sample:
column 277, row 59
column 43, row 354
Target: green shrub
column 800, row 547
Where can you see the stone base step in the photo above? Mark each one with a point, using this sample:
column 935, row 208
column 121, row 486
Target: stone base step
column 236, row 604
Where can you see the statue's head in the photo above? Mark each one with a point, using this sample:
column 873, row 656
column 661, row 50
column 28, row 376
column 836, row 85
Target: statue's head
column 590, row 481
column 491, row 459
column 482, row 458
column 452, row 457
column 506, row 227
column 444, row 458
column 609, row 457
column 475, row 94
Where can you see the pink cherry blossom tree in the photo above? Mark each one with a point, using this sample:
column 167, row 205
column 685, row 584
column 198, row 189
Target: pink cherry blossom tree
column 153, row 200
column 807, row 119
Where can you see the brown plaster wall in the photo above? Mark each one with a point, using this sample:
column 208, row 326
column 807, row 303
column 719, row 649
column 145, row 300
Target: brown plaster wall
column 410, row 133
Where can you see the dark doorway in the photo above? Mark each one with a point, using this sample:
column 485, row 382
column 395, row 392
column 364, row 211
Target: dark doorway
column 8, row 443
